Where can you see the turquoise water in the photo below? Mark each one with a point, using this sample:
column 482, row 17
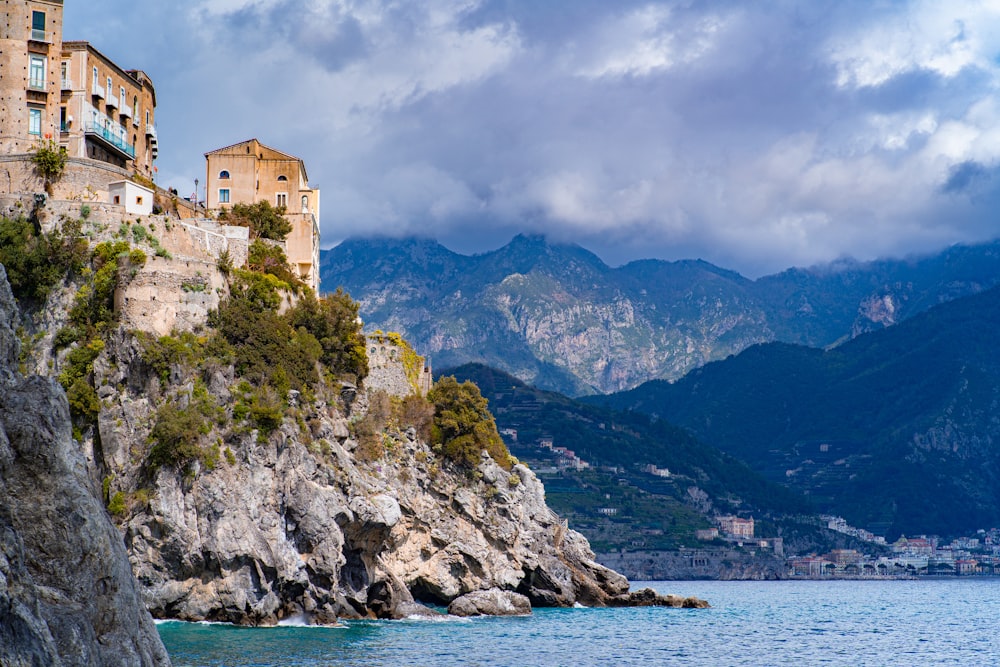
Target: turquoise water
column 939, row 622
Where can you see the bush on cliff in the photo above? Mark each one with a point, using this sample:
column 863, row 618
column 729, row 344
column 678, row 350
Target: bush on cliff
column 463, row 426
column 271, row 259
column 36, row 262
column 265, row 221
column 179, row 430
column 333, row 320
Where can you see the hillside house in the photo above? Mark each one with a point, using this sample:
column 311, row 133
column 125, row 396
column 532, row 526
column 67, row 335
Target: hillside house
column 250, row 172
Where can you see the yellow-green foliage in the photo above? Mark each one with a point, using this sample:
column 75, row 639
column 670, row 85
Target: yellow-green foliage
column 463, row 426
column 412, row 362
column 116, row 505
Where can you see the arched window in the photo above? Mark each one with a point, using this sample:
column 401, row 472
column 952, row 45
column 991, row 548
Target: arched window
column 223, row 175
column 282, row 179
column 305, row 203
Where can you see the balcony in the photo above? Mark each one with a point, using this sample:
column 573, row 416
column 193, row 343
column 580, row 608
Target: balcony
column 112, row 101
column 66, row 84
column 39, row 36
column 151, row 132
column 37, row 83
column 110, row 140
column 98, row 91
column 126, row 112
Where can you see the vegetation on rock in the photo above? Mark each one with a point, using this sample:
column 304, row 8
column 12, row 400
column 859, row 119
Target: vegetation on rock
column 263, row 220
column 463, row 426
column 36, row 262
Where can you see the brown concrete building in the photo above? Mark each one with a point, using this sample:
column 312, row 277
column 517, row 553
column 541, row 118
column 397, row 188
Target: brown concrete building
column 107, row 113
column 70, row 92
column 250, row 172
column 30, row 57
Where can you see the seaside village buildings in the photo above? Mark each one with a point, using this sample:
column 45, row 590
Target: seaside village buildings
column 69, row 94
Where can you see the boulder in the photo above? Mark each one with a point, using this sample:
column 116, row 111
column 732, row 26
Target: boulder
column 492, row 602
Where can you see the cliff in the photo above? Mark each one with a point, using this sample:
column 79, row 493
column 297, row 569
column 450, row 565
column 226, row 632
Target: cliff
column 253, row 474
column 309, row 521
column 67, row 595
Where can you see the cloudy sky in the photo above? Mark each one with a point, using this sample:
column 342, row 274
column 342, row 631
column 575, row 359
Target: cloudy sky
column 756, row 135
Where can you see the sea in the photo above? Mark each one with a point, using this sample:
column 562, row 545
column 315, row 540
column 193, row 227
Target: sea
column 921, row 622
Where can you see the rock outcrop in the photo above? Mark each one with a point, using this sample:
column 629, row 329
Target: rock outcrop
column 493, row 602
column 67, row 595
column 309, row 522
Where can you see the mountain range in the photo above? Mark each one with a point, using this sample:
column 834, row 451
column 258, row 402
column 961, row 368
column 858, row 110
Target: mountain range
column 897, row 430
column 559, row 318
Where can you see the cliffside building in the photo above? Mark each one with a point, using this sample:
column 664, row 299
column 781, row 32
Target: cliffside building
column 106, row 112
column 250, row 172
column 71, row 93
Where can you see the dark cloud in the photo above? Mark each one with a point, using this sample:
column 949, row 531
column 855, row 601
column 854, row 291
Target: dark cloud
column 756, row 135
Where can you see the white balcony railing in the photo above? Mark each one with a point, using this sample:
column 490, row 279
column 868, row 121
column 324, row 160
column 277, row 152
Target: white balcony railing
column 98, row 91
column 126, row 112
column 39, row 35
column 112, row 101
column 67, row 84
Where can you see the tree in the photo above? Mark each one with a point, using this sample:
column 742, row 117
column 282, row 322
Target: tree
column 333, row 320
column 265, row 221
column 463, row 426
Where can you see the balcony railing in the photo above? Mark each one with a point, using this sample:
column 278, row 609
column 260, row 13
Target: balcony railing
column 37, row 83
column 67, row 84
column 112, row 101
column 98, row 91
column 151, row 131
column 111, row 138
column 38, row 35
column 126, row 112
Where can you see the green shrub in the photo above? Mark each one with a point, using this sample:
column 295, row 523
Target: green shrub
column 85, row 211
column 333, row 321
column 178, row 431
column 116, row 505
column 37, row 262
column 463, row 426
column 265, row 221
column 136, row 257
column 50, row 159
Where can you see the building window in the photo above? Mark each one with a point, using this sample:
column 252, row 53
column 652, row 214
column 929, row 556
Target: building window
column 35, row 121
column 305, row 204
column 281, row 199
column 135, row 108
column 117, row 199
column 138, row 200
column 147, row 117
column 36, row 73
column 223, row 175
column 64, row 75
column 96, row 80
column 109, row 89
column 282, row 179
column 223, row 195
column 38, row 26
column 121, row 96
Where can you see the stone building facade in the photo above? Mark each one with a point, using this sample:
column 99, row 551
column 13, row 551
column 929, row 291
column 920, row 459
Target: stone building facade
column 250, row 172
column 30, row 58
column 70, row 93
column 107, row 113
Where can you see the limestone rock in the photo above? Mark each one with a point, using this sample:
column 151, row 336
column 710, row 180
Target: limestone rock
column 492, row 602
column 67, row 595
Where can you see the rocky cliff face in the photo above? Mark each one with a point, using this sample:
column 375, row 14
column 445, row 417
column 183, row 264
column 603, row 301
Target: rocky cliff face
column 307, row 522
column 67, row 595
